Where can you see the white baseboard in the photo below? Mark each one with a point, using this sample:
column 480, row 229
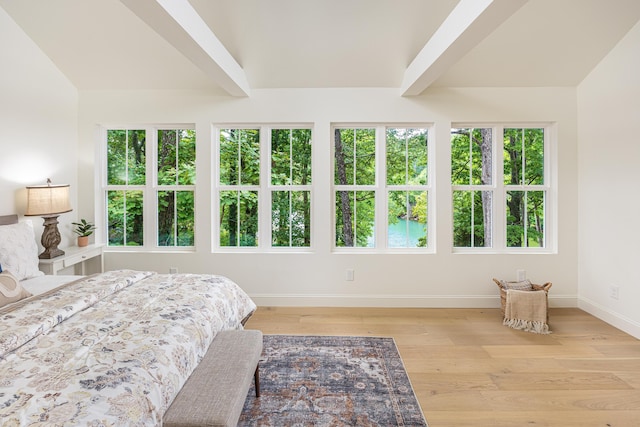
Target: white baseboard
column 611, row 317
column 408, row 301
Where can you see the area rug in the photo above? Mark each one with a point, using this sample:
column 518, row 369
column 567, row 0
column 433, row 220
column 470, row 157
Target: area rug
column 331, row 381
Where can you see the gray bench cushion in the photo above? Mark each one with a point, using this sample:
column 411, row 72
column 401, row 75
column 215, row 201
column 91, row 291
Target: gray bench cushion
column 216, row 391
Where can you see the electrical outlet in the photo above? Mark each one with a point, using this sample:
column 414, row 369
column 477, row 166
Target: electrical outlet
column 349, row 276
column 521, row 275
column 614, row 292
column 173, row 270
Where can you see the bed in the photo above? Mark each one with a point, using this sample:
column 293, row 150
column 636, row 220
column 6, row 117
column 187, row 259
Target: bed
column 109, row 349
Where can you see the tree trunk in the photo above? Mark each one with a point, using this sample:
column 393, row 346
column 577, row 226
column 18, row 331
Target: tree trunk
column 487, row 165
column 515, row 205
column 166, row 216
column 345, row 206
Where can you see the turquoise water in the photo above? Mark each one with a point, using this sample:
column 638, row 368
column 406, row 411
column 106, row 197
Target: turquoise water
column 405, row 233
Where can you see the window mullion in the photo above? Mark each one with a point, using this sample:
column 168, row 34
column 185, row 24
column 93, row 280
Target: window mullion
column 150, row 194
column 264, row 192
column 381, row 192
column 290, row 222
column 499, row 214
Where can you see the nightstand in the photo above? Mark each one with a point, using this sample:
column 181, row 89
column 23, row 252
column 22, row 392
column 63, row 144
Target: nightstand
column 76, row 257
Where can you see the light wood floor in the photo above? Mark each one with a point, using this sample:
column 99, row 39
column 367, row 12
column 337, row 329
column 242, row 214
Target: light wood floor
column 469, row 370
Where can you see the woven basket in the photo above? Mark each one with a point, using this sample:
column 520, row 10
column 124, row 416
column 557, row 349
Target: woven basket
column 503, row 294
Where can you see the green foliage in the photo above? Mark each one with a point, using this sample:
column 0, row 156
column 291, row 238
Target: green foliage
column 523, row 156
column 126, row 157
column 176, row 229
column 126, row 166
column 291, row 165
column 291, row 156
column 355, row 165
column 291, row 218
column 239, row 165
column 468, row 220
column 240, row 156
column 83, row 228
column 356, row 157
column 176, row 157
column 523, row 165
column 355, row 171
column 125, row 217
column 238, row 218
column 466, row 155
column 406, row 156
column 362, row 207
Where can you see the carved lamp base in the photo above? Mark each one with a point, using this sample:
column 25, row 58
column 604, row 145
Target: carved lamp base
column 51, row 238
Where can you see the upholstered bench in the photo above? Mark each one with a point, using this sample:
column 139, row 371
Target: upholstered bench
column 215, row 393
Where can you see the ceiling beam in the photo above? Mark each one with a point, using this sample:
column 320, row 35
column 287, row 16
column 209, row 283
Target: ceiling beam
column 465, row 27
column 179, row 24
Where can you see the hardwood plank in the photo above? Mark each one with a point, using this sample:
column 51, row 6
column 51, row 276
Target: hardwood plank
column 531, row 418
column 533, row 351
column 467, row 369
column 559, row 381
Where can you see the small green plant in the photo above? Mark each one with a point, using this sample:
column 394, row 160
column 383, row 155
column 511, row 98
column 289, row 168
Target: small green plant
column 83, row 228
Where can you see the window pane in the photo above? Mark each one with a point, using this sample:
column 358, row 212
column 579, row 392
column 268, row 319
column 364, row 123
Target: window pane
column 524, row 156
column 238, row 218
column 175, row 218
column 525, row 219
column 291, row 156
column 407, row 219
column 126, row 157
column 116, row 157
column 355, row 218
column 176, row 157
column 396, row 157
column 472, row 219
column 471, row 156
column 406, row 156
column 240, row 156
column 124, row 217
column 365, row 157
column 355, row 157
column 301, row 142
column 291, row 218
column 534, row 156
column 281, row 162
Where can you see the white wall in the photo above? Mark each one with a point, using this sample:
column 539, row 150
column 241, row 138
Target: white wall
column 442, row 279
column 38, row 124
column 609, row 179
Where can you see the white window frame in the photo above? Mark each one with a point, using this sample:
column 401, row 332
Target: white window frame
column 500, row 189
column 150, row 189
column 381, row 189
column 264, row 189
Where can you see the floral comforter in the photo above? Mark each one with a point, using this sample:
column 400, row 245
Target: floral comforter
column 111, row 349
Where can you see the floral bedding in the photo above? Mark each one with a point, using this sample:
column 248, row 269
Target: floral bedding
column 111, row 349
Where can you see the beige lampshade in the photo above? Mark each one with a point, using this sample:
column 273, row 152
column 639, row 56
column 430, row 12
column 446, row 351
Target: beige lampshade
column 48, row 199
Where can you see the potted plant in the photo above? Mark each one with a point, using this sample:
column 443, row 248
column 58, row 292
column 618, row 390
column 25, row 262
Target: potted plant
column 83, row 229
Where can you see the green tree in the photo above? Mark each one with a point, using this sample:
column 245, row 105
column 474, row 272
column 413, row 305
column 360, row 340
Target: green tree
column 126, row 163
column 291, row 166
column 176, row 167
column 239, row 166
column 354, row 166
column 524, row 166
column 471, row 164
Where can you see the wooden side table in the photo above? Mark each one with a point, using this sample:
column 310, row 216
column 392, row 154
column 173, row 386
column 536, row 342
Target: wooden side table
column 74, row 256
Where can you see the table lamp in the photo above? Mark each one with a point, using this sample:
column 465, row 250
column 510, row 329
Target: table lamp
column 49, row 201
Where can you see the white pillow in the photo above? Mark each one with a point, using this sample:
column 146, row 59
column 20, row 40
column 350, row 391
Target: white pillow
column 19, row 251
column 10, row 289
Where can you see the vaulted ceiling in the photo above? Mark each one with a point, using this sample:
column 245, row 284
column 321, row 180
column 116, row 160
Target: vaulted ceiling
column 236, row 46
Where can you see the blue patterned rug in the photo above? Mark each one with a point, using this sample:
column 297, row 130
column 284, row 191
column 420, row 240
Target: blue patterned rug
column 331, row 381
